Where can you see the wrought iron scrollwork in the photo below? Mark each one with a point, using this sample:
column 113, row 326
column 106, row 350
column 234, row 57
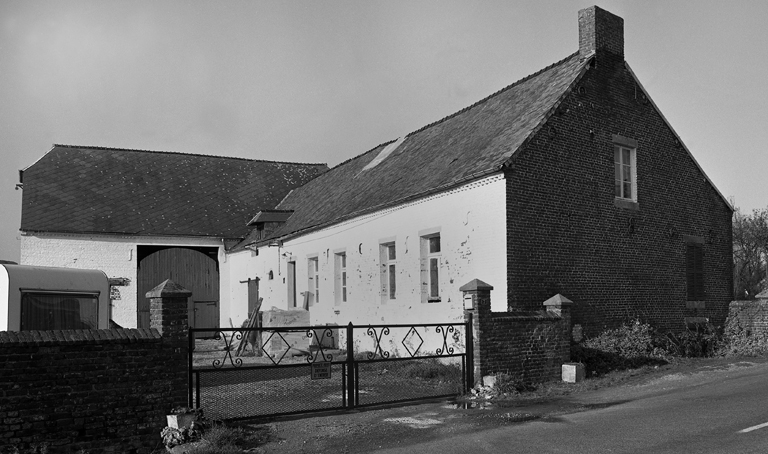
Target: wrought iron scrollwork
column 228, row 347
column 446, row 350
column 377, row 338
column 327, row 332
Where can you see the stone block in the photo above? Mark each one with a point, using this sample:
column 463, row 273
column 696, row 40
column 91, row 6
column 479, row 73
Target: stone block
column 573, row 372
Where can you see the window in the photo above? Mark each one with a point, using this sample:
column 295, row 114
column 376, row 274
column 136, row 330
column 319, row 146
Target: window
column 388, row 271
column 694, row 271
column 625, row 172
column 430, row 268
column 340, row 273
column 314, row 282
column 56, row 311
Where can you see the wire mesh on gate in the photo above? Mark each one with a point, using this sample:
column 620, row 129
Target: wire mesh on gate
column 265, row 391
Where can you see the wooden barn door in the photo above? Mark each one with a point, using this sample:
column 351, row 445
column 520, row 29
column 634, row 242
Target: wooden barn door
column 193, row 269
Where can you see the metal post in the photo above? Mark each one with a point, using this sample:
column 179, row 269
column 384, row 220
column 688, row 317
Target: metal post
column 191, row 342
column 350, row 366
column 470, row 354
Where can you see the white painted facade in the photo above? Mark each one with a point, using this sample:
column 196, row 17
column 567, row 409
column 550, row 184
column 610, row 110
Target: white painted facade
column 470, row 221
column 114, row 255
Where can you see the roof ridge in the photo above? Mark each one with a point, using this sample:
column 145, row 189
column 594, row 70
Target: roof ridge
column 508, row 87
column 497, row 92
column 137, row 150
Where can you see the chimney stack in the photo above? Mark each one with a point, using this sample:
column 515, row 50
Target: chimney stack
column 600, row 32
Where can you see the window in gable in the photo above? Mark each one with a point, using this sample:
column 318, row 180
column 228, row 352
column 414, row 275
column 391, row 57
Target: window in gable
column 694, row 271
column 625, row 172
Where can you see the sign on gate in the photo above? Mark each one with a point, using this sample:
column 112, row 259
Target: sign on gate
column 321, row 370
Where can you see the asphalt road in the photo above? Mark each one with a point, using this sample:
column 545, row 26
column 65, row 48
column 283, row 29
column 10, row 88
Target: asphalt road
column 717, row 410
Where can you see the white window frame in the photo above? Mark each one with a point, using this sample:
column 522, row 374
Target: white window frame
column 313, row 281
column 388, row 259
column 340, row 277
column 431, row 262
column 620, row 166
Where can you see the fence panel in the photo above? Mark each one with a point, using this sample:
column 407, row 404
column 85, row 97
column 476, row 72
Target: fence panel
column 301, row 369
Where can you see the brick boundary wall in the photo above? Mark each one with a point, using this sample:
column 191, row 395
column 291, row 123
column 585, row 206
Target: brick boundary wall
column 531, row 345
column 750, row 316
column 95, row 390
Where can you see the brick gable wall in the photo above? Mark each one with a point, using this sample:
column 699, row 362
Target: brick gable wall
column 566, row 235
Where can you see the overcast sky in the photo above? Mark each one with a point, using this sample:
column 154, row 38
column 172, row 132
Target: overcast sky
column 323, row 81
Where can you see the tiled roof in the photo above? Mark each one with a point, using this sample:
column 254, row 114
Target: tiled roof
column 473, row 142
column 108, row 190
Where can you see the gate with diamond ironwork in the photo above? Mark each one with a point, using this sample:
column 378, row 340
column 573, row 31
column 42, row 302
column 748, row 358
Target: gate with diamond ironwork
column 258, row 372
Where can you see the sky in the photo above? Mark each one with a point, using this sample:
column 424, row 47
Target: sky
column 325, row 80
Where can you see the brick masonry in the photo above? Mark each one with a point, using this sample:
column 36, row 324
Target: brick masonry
column 750, row 316
column 96, row 390
column 530, row 346
column 566, row 233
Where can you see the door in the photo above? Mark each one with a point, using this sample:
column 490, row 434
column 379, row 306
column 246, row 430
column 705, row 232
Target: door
column 291, row 285
column 206, row 315
column 253, row 295
column 195, row 269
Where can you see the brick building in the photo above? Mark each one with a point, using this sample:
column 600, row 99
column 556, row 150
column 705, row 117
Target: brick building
column 569, row 181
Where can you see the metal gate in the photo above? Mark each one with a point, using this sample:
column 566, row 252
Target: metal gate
column 302, row 369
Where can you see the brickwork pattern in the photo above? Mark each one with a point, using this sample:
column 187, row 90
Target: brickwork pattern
column 530, row 346
column 95, row 390
column 750, row 316
column 566, row 234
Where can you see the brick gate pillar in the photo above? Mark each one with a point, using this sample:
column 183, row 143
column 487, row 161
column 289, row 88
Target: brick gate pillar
column 561, row 306
column 168, row 314
column 478, row 294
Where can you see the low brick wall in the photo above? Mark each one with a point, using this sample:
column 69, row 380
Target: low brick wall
column 531, row 346
column 749, row 315
column 95, row 390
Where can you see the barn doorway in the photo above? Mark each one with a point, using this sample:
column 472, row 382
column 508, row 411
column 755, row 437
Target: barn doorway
column 194, row 268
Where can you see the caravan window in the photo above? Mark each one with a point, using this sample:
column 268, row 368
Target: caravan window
column 54, row 311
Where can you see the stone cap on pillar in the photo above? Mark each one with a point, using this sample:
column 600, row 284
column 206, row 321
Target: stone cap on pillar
column 475, row 285
column 168, row 289
column 559, row 301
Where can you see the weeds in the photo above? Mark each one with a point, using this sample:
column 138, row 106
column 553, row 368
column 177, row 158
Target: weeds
column 219, row 438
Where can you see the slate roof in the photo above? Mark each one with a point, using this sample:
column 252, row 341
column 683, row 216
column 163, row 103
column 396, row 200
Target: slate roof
column 119, row 191
column 469, row 144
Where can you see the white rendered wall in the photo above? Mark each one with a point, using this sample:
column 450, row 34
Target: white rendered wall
column 115, row 255
column 472, row 225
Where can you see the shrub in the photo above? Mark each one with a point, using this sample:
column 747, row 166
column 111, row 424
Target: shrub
column 631, row 345
column 509, row 384
column 702, row 340
column 737, row 341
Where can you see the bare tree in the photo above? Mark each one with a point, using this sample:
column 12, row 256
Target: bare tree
column 750, row 253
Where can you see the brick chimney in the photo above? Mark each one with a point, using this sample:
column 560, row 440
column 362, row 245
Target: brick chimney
column 600, row 32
